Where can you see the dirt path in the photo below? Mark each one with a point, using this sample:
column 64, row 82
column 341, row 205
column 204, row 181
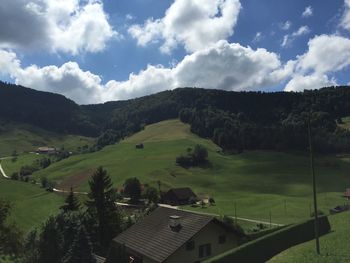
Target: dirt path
column 3, row 172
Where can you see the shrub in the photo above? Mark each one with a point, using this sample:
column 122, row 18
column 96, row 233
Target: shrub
column 15, row 176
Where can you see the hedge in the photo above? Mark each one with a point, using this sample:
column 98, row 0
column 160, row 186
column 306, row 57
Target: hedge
column 264, row 248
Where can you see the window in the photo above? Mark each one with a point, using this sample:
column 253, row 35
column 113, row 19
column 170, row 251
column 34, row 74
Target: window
column 190, row 245
column 222, row 239
column 204, row 250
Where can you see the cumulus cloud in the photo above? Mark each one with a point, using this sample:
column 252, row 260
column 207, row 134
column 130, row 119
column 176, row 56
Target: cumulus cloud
column 313, row 81
column 345, row 21
column 219, row 66
column 307, row 12
column 192, row 23
column 326, row 54
column 289, row 38
column 70, row 26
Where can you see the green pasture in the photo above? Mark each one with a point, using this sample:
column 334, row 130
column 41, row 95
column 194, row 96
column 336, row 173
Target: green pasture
column 257, row 183
column 334, row 246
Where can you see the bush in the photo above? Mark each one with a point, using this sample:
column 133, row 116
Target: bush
column 14, row 176
column 194, row 157
column 27, row 170
column 264, row 248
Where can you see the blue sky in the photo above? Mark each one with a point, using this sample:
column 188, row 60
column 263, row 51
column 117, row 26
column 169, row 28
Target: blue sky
column 94, row 51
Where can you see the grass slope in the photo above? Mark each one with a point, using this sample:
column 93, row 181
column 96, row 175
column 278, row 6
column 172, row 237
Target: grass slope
column 334, row 246
column 31, row 205
column 25, row 138
column 258, row 182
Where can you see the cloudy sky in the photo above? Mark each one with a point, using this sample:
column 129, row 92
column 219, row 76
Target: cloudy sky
column 99, row 50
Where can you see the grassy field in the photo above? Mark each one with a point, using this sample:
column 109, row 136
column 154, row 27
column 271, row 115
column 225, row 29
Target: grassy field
column 26, row 138
column 334, row 246
column 11, row 166
column 258, row 183
column 31, row 205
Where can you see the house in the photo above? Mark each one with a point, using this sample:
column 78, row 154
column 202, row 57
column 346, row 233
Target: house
column 179, row 196
column 46, row 150
column 347, row 193
column 173, row 236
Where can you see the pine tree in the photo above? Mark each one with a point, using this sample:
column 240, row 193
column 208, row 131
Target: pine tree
column 81, row 250
column 117, row 253
column 71, row 202
column 104, row 215
column 50, row 243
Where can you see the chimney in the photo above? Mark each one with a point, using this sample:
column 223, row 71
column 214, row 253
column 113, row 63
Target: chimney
column 174, row 223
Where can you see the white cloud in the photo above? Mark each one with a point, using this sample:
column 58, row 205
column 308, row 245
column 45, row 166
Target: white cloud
column 286, row 25
column 345, row 21
column 192, row 23
column 313, row 81
column 326, row 54
column 288, row 39
column 70, row 26
column 220, row 66
column 307, row 12
column 258, row 37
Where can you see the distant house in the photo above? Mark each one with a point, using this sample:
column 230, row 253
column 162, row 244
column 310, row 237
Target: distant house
column 46, row 150
column 175, row 236
column 178, row 196
column 347, row 193
column 139, row 146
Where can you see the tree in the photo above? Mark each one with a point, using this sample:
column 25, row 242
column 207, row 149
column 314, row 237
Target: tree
column 10, row 236
column 117, row 253
column 30, row 248
column 71, row 202
column 104, row 217
column 200, row 154
column 132, row 189
column 81, row 249
column 50, row 242
column 152, row 195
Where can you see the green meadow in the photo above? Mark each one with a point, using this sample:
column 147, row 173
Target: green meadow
column 31, row 205
column 25, row 138
column 257, row 183
column 334, row 246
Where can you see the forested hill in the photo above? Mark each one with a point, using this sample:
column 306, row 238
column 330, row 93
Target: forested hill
column 50, row 111
column 234, row 120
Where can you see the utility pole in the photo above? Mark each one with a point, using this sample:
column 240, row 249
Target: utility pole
column 314, row 187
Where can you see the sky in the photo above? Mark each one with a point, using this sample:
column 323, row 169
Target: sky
column 94, row 51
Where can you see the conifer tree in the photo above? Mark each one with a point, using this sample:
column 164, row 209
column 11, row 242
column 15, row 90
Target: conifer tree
column 50, row 243
column 71, row 202
column 105, row 220
column 117, row 253
column 81, row 250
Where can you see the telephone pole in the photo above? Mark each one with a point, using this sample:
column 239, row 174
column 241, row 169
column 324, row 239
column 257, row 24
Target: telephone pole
column 314, row 187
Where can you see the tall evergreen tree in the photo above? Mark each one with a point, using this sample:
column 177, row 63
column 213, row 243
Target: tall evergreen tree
column 117, row 253
column 105, row 219
column 81, row 250
column 50, row 243
column 10, row 236
column 71, row 202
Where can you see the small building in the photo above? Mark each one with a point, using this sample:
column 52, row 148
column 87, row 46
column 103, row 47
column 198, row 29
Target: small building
column 46, row 150
column 347, row 193
column 176, row 236
column 179, row 196
column 139, row 146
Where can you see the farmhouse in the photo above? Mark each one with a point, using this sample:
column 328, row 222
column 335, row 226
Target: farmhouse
column 173, row 236
column 139, row 146
column 178, row 196
column 46, row 150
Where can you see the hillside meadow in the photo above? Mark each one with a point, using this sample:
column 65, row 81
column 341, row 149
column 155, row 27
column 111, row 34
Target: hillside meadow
column 257, row 183
column 334, row 246
column 24, row 138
